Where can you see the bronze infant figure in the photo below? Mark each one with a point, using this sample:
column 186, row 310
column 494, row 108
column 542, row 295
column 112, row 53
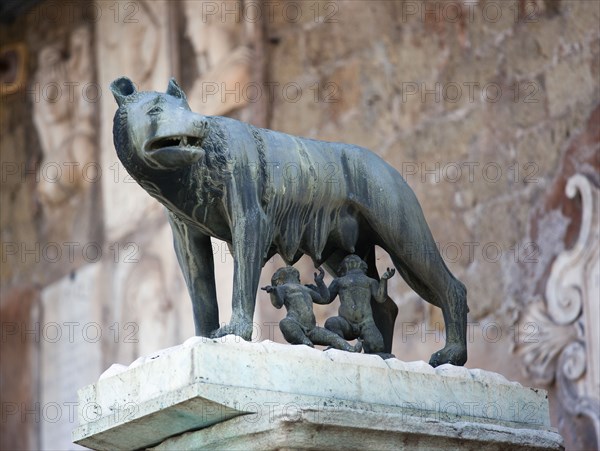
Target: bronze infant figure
column 223, row 178
column 356, row 292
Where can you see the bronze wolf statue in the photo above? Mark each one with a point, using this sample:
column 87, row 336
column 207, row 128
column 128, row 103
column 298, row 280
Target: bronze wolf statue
column 266, row 192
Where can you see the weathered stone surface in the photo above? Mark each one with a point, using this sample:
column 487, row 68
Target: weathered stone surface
column 20, row 354
column 345, row 428
column 65, row 125
column 18, row 206
column 587, row 13
column 149, row 301
column 69, row 335
column 222, row 55
column 569, row 83
column 199, row 383
column 49, row 96
column 524, row 51
column 145, row 57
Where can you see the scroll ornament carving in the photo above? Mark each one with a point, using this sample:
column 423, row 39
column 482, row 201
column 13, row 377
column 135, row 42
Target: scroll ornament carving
column 567, row 349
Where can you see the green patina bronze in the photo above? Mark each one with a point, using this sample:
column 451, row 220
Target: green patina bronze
column 266, row 192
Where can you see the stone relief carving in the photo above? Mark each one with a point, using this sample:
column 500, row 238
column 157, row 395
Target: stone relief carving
column 63, row 116
column 148, row 308
column 141, row 54
column 13, row 65
column 148, row 299
column 223, row 56
column 145, row 31
column 567, row 348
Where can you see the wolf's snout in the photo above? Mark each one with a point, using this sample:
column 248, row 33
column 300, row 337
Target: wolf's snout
column 201, row 126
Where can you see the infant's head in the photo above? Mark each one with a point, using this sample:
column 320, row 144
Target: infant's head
column 286, row 274
column 352, row 262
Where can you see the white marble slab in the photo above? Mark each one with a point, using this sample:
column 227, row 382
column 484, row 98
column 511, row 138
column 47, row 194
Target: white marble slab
column 204, row 382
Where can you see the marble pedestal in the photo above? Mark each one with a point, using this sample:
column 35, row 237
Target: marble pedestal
column 231, row 394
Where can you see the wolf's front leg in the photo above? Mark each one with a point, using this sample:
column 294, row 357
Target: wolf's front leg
column 195, row 256
column 248, row 253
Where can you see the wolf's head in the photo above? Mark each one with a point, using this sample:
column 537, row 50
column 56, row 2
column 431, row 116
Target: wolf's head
column 154, row 130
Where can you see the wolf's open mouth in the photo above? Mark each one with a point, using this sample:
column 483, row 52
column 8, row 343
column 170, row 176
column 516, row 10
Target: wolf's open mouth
column 183, row 142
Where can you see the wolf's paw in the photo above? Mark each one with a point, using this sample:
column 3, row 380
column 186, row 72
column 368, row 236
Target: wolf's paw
column 241, row 329
column 455, row 354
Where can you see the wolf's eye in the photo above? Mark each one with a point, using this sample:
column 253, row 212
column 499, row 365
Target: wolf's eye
column 155, row 111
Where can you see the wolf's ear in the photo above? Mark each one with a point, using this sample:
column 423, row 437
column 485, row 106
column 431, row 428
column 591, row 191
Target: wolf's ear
column 122, row 88
column 174, row 90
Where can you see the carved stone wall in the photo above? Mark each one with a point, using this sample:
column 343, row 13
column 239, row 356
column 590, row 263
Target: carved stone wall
column 50, row 192
column 137, row 47
column 65, row 123
column 221, row 57
column 69, row 335
column 115, row 290
column 49, row 215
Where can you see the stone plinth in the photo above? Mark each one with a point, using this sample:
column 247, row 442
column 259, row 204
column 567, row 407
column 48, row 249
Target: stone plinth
column 228, row 394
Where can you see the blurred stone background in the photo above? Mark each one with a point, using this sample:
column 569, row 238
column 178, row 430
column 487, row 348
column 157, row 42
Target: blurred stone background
column 486, row 107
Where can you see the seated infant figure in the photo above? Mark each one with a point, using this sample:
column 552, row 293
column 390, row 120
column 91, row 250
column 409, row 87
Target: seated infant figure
column 355, row 290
